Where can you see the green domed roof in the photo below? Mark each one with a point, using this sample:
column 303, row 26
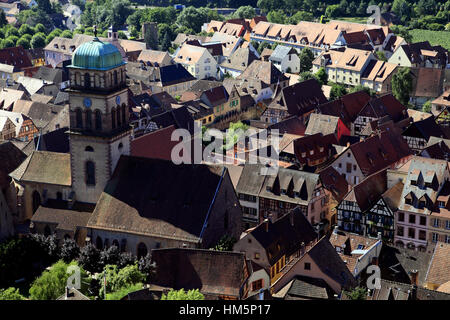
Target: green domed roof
column 96, row 55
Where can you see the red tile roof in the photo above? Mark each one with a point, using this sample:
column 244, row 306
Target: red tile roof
column 15, row 56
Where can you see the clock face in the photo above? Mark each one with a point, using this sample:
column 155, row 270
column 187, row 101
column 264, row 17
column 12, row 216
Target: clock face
column 118, row 99
column 87, row 102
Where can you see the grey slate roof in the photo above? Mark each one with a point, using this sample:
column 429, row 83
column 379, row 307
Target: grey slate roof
column 304, row 287
column 251, row 181
column 322, row 123
column 240, row 59
column 281, row 52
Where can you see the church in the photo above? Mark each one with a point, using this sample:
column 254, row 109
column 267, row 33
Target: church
column 98, row 193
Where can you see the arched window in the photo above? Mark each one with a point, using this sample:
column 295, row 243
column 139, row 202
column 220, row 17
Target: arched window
column 115, row 78
column 89, row 149
column 36, row 201
column 106, row 243
column 79, row 118
column 66, row 237
column 120, row 146
column 90, row 173
column 98, row 120
column 124, row 114
column 87, row 80
column 78, row 79
column 123, row 245
column 97, row 81
column 118, row 116
column 99, row 243
column 141, row 250
column 88, row 119
column 116, row 243
column 113, row 118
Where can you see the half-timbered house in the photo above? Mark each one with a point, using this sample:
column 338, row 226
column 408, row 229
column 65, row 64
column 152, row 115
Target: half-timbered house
column 418, row 133
column 364, row 210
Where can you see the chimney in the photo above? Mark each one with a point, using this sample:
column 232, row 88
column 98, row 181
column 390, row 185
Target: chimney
column 413, row 291
column 67, row 293
column 375, row 261
column 266, row 224
column 379, row 235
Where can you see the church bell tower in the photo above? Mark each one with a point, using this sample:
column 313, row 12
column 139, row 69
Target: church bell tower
column 99, row 117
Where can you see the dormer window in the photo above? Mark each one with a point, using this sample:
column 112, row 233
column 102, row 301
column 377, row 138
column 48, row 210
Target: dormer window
column 55, row 46
column 414, row 182
column 269, row 188
column 422, row 204
column 283, row 191
column 441, row 204
column 321, row 149
column 303, row 154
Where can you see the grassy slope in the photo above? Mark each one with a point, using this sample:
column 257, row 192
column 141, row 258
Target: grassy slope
column 434, row 37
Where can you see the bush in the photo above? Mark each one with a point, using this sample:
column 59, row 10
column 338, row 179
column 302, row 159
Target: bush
column 69, row 250
column 146, row 266
column 183, row 295
column 11, row 294
column 89, row 258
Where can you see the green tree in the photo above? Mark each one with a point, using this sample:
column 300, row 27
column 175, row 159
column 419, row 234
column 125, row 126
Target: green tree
column 402, row 9
column 225, row 243
column 89, row 258
column 44, row 5
column 262, row 46
column 26, row 29
column 337, row 91
column 122, row 292
column 277, row 16
column 183, row 295
column 117, row 279
column 244, row 12
column 66, row 34
column 39, row 28
column 427, row 107
column 12, row 32
column 51, row 284
column 402, row 31
column 402, row 85
column 192, row 18
column 322, row 76
column 358, row 293
column 381, row 56
column 300, row 16
column 333, row 11
column 10, row 293
column 38, row 41
column 306, row 59
column 166, row 43
column 360, row 87
column 122, row 35
column 24, row 42
column 305, row 75
column 69, row 250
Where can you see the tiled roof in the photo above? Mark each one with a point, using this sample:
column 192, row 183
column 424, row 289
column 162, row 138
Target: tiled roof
column 439, row 271
column 251, row 180
column 154, row 145
column 283, row 237
column 15, row 56
column 130, row 204
column 334, row 182
column 45, row 167
column 399, row 291
column 239, row 59
column 320, row 123
column 303, row 287
column 263, row 70
column 10, row 158
column 65, row 220
column 214, row 273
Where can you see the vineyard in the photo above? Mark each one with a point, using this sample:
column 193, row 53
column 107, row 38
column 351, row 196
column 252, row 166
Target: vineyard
column 434, row 37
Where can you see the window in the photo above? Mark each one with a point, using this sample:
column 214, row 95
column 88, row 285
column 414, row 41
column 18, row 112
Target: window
column 435, row 237
column 115, row 77
column 90, row 173
column 87, row 80
column 88, row 119
column 441, row 204
column 400, row 231
column 411, row 233
column 124, row 114
column 412, row 218
column 89, row 149
column 447, row 239
column 447, row 224
column 422, row 235
column 349, row 167
column 256, row 285
column 113, row 118
column 423, row 221
column 98, row 120
column 307, row 266
column 436, row 223
column 79, row 118
column 256, row 255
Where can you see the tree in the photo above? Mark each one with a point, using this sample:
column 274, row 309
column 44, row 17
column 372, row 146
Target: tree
column 360, row 87
column 402, row 85
column 122, row 292
column 244, row 12
column 305, row 75
column 117, row 279
column 89, row 258
column 402, row 32
column 147, row 267
column 262, row 46
column 110, row 255
column 38, row 41
column 192, row 18
column 337, row 91
column 306, row 59
column 276, row 16
column 10, row 293
column 381, row 55
column 66, row 34
column 122, row 35
column 26, row 29
column 166, row 43
column 23, row 42
column 300, row 16
column 39, row 28
column 358, row 293
column 225, row 243
column 333, row 11
column 12, row 32
column 322, row 76
column 183, row 295
column 51, row 284
column 3, row 20
column 402, row 9
column 44, row 5
column 69, row 250
column 427, row 107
